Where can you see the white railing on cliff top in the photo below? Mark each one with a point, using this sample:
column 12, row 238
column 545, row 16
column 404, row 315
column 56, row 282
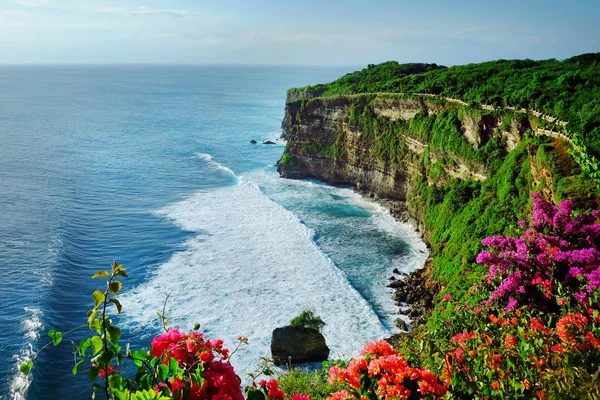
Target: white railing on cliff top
column 535, row 113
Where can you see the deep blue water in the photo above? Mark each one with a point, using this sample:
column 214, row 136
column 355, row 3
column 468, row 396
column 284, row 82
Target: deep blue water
column 152, row 167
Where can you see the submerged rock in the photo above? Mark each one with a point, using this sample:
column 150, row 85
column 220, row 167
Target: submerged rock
column 298, row 345
column 253, row 141
column 268, row 142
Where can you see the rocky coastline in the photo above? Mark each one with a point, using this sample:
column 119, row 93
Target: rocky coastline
column 375, row 144
column 414, row 292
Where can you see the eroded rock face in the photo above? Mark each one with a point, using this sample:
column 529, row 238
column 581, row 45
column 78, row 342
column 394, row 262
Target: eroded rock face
column 298, row 345
column 313, row 130
column 322, row 124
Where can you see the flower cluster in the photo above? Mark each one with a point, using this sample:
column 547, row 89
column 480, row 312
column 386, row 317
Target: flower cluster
column 521, row 353
column 380, row 370
column 559, row 248
column 191, row 351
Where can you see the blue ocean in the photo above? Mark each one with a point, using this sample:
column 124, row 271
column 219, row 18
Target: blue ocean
column 152, row 166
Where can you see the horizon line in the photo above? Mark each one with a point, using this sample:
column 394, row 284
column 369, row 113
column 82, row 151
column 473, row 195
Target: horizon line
column 77, row 64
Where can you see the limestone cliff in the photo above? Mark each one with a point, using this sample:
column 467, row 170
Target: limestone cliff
column 324, row 144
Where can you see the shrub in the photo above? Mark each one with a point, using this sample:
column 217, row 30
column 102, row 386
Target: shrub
column 380, row 372
column 307, row 319
column 314, row 383
column 557, row 251
column 537, row 333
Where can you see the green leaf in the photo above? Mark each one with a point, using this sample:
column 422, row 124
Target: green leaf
column 100, row 274
column 199, row 376
column 91, row 318
column 137, row 358
column 93, row 372
column 115, row 286
column 114, row 334
column 77, row 364
column 84, row 345
column 163, row 372
column 96, row 344
column 117, row 303
column 106, row 356
column 173, row 365
column 26, row 367
column 122, row 273
column 98, row 297
column 145, row 381
column 255, row 394
column 56, row 337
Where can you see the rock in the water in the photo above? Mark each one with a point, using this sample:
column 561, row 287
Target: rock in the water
column 298, row 345
column 395, row 271
column 400, row 324
column 392, row 278
column 268, row 142
column 253, row 141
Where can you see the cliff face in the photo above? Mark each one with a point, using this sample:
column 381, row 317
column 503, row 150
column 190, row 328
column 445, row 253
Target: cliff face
column 455, row 172
column 324, row 144
column 322, row 126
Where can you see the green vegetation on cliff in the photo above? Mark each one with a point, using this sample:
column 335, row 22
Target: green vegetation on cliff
column 569, row 89
column 471, row 183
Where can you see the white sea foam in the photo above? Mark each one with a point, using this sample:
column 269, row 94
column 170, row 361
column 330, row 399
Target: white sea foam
column 306, row 193
column 214, row 166
column 31, row 331
column 251, row 268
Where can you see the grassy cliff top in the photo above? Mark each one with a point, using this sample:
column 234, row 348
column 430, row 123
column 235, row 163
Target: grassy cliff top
column 568, row 89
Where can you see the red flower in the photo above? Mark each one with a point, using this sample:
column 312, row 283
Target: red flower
column 102, row 372
column 301, row 397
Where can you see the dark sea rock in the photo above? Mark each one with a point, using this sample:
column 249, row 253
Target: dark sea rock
column 253, row 141
column 413, row 289
column 400, row 324
column 268, row 142
column 298, row 345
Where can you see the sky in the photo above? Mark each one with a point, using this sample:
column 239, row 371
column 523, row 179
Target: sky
column 305, row 32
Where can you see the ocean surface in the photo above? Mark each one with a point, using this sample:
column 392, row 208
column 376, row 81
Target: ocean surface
column 152, row 166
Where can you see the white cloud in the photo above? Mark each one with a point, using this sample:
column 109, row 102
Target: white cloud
column 32, row 3
column 14, row 19
column 145, row 10
column 79, row 26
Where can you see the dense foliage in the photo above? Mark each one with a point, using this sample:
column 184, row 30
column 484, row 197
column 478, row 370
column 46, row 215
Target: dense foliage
column 568, row 89
column 536, row 334
column 308, row 319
